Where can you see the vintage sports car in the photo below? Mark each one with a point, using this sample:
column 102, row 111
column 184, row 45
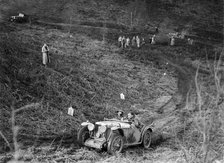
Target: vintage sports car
column 113, row 135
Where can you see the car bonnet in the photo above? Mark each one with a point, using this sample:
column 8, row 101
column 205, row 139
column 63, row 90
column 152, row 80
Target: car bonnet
column 114, row 123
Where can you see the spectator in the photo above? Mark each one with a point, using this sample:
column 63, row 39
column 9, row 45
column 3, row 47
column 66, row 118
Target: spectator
column 123, row 42
column 157, row 30
column 45, row 54
column 138, row 41
column 133, row 41
column 119, row 41
column 153, row 42
column 172, row 41
column 127, row 42
column 190, row 41
column 143, row 41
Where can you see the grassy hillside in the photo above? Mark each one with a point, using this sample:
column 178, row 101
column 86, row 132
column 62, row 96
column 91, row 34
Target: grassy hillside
column 88, row 71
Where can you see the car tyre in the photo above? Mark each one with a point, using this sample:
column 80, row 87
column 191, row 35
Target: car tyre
column 147, row 139
column 115, row 144
column 83, row 135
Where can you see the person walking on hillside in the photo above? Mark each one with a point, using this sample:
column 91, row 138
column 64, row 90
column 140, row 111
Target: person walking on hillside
column 119, row 41
column 45, row 54
column 138, row 41
column 153, row 42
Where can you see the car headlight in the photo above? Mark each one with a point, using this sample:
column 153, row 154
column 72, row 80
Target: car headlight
column 102, row 129
column 90, row 127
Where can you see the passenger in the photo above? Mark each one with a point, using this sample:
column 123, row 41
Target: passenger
column 153, row 42
column 135, row 122
column 172, row 41
column 133, row 41
column 119, row 41
column 138, row 41
column 45, row 55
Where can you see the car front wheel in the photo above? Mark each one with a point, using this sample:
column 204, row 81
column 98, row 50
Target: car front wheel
column 147, row 139
column 83, row 135
column 115, row 144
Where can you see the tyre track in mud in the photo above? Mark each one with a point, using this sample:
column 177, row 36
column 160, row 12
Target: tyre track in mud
column 185, row 73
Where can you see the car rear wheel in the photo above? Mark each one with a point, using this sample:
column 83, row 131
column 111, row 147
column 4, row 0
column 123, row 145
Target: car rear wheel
column 83, row 135
column 115, row 144
column 147, row 139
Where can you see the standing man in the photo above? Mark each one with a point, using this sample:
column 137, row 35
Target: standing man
column 190, row 41
column 153, row 42
column 172, row 41
column 156, row 30
column 138, row 41
column 45, row 54
column 127, row 43
column 123, row 42
column 119, row 41
column 143, row 41
column 133, row 41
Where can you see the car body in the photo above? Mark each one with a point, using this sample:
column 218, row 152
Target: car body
column 20, row 18
column 113, row 135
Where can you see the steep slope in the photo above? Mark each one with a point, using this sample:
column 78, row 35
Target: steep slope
column 88, row 72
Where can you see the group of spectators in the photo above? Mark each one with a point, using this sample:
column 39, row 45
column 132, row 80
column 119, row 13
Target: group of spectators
column 125, row 42
column 136, row 41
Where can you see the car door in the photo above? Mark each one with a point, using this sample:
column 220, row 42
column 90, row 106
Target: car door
column 132, row 135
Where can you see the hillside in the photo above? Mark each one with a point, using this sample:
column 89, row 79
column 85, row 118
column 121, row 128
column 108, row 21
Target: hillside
column 88, row 71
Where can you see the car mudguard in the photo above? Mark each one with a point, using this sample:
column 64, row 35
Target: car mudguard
column 144, row 130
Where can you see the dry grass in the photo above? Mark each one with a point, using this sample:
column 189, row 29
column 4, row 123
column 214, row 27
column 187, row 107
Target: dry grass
column 90, row 75
column 85, row 73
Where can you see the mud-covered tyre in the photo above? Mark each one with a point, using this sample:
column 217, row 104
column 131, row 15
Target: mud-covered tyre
column 115, row 144
column 147, row 139
column 83, row 135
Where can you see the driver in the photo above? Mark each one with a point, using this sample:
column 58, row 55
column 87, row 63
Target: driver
column 134, row 121
column 120, row 115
